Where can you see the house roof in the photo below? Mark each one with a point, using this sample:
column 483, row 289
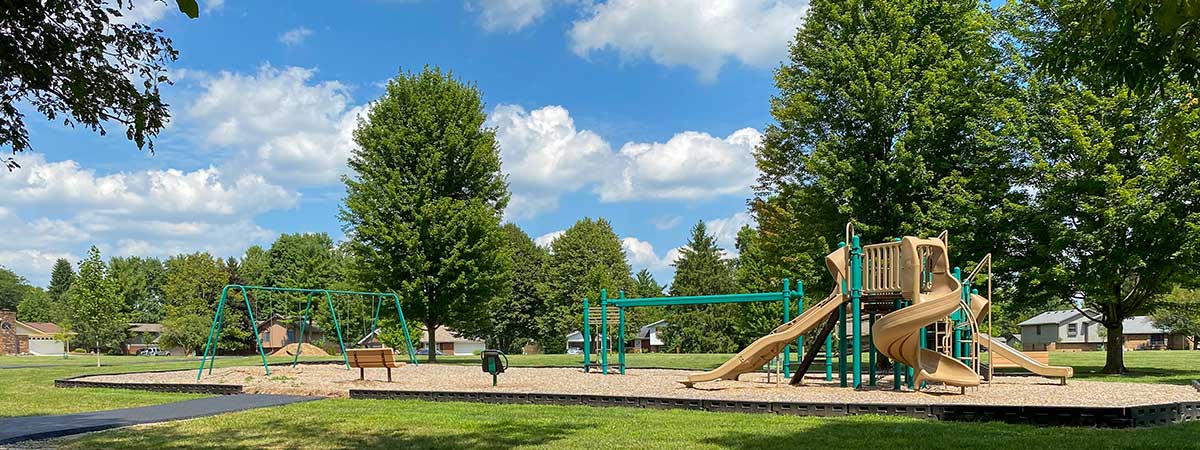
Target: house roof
column 1051, row 317
column 644, row 330
column 42, row 327
column 443, row 334
column 575, row 336
column 145, row 328
column 1140, row 325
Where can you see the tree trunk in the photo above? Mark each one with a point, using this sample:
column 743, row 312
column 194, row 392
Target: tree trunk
column 1114, row 348
column 432, row 343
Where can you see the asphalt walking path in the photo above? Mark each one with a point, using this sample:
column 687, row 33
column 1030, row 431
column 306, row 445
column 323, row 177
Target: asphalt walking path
column 44, row 427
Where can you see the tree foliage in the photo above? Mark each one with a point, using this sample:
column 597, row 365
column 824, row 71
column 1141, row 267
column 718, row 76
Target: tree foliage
column 1140, row 44
column 12, row 289
column 139, row 283
column 61, row 277
column 36, row 306
column 513, row 319
column 84, row 61
column 891, row 115
column 1115, row 224
column 1179, row 313
column 191, row 294
column 96, row 309
column 586, row 258
column 702, row 270
column 423, row 207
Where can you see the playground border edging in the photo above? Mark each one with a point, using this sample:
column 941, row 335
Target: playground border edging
column 1075, row 416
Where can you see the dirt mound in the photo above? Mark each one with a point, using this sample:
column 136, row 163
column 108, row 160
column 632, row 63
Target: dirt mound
column 306, row 350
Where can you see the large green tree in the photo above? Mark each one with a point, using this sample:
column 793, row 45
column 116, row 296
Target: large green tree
column 1179, row 313
column 702, row 270
column 1141, row 44
column 191, row 293
column 12, row 289
column 139, row 282
column 513, row 319
column 61, row 277
column 80, row 60
column 586, row 258
column 96, row 309
column 36, row 306
column 424, row 202
column 892, row 115
column 1115, row 223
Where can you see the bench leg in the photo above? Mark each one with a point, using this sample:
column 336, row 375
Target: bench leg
column 389, row 374
column 360, row 373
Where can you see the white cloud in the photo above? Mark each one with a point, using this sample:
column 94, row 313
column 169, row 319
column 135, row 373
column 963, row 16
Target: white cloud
column 726, row 229
column 33, row 265
column 666, row 222
column 149, row 212
column 691, row 165
column 295, row 36
column 513, row 15
column 212, row 5
column 546, row 239
column 282, row 124
column 546, row 156
column 701, row 34
column 641, row 254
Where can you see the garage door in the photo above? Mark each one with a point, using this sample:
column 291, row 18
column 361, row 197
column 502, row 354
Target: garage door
column 45, row 347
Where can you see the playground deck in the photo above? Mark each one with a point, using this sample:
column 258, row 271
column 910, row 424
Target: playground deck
column 336, row 381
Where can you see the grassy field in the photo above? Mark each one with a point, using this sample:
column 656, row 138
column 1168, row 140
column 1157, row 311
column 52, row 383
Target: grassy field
column 371, row 424
column 31, row 391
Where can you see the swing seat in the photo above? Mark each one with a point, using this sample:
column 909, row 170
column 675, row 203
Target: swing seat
column 372, row 358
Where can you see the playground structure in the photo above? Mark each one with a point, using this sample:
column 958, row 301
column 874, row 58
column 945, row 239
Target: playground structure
column 214, row 332
column 921, row 314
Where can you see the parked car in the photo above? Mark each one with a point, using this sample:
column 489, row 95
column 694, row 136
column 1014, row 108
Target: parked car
column 153, row 351
column 425, row 351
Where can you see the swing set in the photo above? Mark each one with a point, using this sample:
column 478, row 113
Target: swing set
column 214, row 333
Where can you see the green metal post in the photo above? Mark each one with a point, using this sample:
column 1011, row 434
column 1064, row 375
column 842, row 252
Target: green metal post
column 829, row 357
column 337, row 326
column 842, row 347
column 871, row 347
column 254, row 326
column 412, row 354
column 787, row 317
column 856, row 282
column 621, row 334
column 217, row 337
column 375, row 321
column 604, row 331
column 211, row 330
column 799, row 311
column 303, row 325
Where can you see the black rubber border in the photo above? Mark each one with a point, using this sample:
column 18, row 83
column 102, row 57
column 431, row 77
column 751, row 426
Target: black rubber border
column 1073, row 416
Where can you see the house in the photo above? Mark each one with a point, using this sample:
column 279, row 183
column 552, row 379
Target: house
column 278, row 331
column 575, row 342
column 1071, row 330
column 648, row 340
column 35, row 338
column 143, row 335
column 449, row 342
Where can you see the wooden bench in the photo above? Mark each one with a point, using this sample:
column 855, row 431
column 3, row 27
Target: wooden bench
column 373, row 358
column 1001, row 362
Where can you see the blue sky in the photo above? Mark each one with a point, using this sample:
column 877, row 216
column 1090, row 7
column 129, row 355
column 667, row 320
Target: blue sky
column 642, row 112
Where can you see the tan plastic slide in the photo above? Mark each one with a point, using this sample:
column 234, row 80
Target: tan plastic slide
column 762, row 350
column 898, row 334
column 999, row 348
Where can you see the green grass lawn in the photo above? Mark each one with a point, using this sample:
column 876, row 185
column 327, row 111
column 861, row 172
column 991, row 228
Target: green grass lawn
column 31, row 391
column 383, row 424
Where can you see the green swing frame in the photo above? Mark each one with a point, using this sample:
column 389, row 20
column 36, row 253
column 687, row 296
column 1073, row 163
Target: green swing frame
column 214, row 332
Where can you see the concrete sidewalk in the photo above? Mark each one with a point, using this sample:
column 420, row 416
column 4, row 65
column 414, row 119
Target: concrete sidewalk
column 44, row 427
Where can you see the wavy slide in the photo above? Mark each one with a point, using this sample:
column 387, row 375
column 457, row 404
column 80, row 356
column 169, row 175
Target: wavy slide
column 762, row 350
column 898, row 334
